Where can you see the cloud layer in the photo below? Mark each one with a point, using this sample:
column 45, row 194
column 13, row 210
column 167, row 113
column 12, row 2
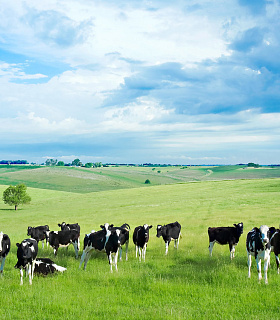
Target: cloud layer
column 140, row 81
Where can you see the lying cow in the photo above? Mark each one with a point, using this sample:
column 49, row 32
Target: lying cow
column 39, row 233
column 5, row 245
column 64, row 238
column 225, row 235
column 140, row 239
column 274, row 238
column 45, row 266
column 258, row 245
column 171, row 231
column 26, row 254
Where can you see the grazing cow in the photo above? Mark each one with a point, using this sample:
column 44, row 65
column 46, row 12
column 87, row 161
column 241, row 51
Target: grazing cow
column 39, row 233
column 171, row 231
column 274, row 239
column 140, row 239
column 64, row 238
column 257, row 244
column 225, row 235
column 69, row 226
column 45, row 266
column 26, row 254
column 5, row 245
column 102, row 240
column 124, row 236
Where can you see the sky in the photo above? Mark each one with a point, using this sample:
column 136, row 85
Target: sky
column 170, row 82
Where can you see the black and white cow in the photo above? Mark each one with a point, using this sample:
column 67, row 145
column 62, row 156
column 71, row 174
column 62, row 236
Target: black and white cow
column 124, row 237
column 64, row 238
column 69, row 226
column 258, row 245
column 45, row 266
column 39, row 233
column 274, row 239
column 102, row 240
column 5, row 245
column 112, row 247
column 225, row 235
column 26, row 254
column 171, row 231
column 140, row 239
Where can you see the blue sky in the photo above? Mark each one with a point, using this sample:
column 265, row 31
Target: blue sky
column 180, row 82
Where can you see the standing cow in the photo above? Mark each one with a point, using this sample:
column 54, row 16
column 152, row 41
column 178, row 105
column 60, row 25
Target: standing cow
column 225, row 235
column 140, row 239
column 171, row 231
column 5, row 245
column 64, row 239
column 26, row 254
column 274, row 238
column 39, row 233
column 258, row 245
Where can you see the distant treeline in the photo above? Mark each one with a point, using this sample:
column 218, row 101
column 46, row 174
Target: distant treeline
column 13, row 162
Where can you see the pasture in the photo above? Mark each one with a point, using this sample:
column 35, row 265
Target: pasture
column 185, row 284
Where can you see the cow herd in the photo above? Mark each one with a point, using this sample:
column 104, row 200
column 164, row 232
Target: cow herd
column 260, row 242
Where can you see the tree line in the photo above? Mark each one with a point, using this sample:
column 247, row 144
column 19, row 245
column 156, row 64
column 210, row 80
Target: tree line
column 75, row 163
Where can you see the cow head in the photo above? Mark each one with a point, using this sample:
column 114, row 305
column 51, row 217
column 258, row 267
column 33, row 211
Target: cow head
column 147, row 228
column 159, row 230
column 29, row 229
column 63, row 226
column 106, row 226
column 239, row 227
column 25, row 249
column 264, row 232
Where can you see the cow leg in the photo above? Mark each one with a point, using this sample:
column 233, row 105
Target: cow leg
column 266, row 262
column 120, row 252
column 211, row 245
column 76, row 247
column 140, row 253
column 232, row 250
column 33, row 267
column 88, row 255
column 21, row 276
column 29, row 266
column 126, row 250
column 166, row 247
column 2, row 265
column 42, row 244
column 277, row 263
column 259, row 268
column 116, row 260
column 249, row 264
column 177, row 242
column 144, row 251
column 136, row 249
column 110, row 261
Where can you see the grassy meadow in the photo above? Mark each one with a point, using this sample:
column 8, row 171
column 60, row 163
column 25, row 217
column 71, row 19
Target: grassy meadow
column 185, row 284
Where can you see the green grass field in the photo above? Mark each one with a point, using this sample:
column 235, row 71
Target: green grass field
column 186, row 284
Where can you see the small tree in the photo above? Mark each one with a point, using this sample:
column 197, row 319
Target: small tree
column 89, row 165
column 77, row 163
column 60, row 164
column 17, row 195
column 51, row 162
column 147, row 181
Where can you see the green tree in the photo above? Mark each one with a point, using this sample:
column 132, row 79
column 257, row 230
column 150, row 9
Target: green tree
column 76, row 162
column 17, row 195
column 60, row 164
column 51, row 162
column 89, row 165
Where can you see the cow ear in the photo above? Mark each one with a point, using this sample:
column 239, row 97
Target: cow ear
column 59, row 224
column 150, row 226
column 17, row 244
column 102, row 226
column 111, row 226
